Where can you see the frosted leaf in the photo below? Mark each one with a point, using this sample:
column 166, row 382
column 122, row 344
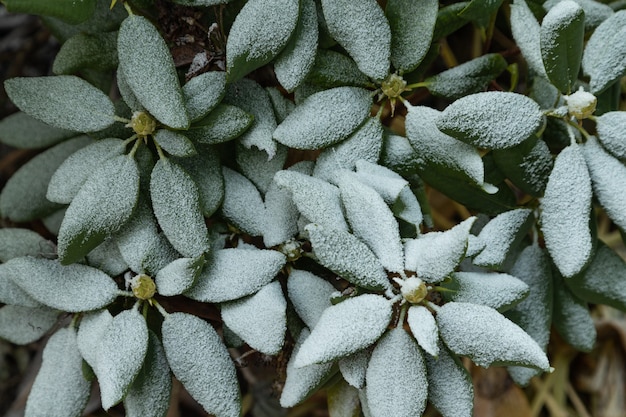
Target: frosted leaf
column 386, row 182
column 69, row 102
column 71, row 288
column 412, row 25
column 325, row 118
column 372, row 221
column 127, row 93
column 178, row 276
column 309, row 294
column 498, row 291
column 282, row 105
column 107, row 258
column 440, row 149
column 149, row 394
column 222, row 124
column 203, row 93
column 235, row 273
column 526, row 32
column 294, row 63
column 206, row 172
column 10, row 292
column 200, row 361
column 343, row 400
column 23, row 325
column 176, row 204
column 87, row 51
column 334, row 69
column 281, row 221
column 101, row 207
column 565, row 210
column 23, row 197
column 561, row 40
column 354, row 367
column 435, row 255
column 396, row 357
column 492, row 120
column 149, row 71
column 317, row 200
column 22, row 131
column 528, row 169
column 200, row 2
column 595, row 12
column 174, row 143
column 362, row 29
column 365, row 143
column 487, row 337
column 611, row 128
column 604, row 59
column 302, row 382
column 345, row 328
column 572, row 319
column 260, row 31
column 398, row 154
column 243, row 205
column 501, row 236
column 450, row 388
column 344, row 254
column 254, row 164
column 260, row 319
column 92, row 328
column 121, row 352
column 60, row 389
column 252, row 98
column 424, row 329
column 304, row 91
column 16, row 242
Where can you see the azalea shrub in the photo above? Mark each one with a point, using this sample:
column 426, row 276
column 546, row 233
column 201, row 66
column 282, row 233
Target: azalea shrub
column 220, row 179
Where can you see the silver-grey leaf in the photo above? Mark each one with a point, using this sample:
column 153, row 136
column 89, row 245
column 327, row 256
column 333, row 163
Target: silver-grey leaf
column 309, row 294
column 23, row 325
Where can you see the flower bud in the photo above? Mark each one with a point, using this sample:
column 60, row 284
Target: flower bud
column 413, row 290
column 143, row 287
column 393, row 86
column 142, row 123
column 581, row 104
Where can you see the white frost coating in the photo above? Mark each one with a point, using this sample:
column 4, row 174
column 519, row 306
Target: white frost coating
column 74, row 171
column 424, row 329
column 608, row 179
column 309, row 294
column 334, row 69
column 487, row 337
column 386, row 182
column 492, row 120
column 526, row 32
column 565, row 210
column 260, row 320
column 435, row 147
column 433, row 256
column 372, row 221
column 396, row 358
column 604, row 58
column 235, row 273
column 595, row 12
column 498, row 291
column 200, row 361
column 10, row 292
column 243, row 205
column 281, row 104
column 345, row 328
column 107, row 258
column 572, row 319
column 23, row 325
column 611, row 128
column 174, row 143
column 178, row 276
column 60, row 389
column 343, row 400
column 302, row 382
column 325, row 118
column 295, row 62
column 344, row 254
column 281, row 222
column 22, row 131
column 316, row 199
column 450, row 388
column 222, row 124
column 255, row 166
column 354, row 367
column 362, row 29
column 501, row 235
column 253, row 99
column 203, row 93
column 581, row 104
column 412, row 25
column 16, row 242
column 91, row 330
column 205, row 170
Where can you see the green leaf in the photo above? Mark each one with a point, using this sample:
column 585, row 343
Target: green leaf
column 572, row 319
column 255, row 165
column 16, row 242
column 203, row 93
column 69, row 102
column 243, row 205
column 174, row 143
column 562, row 34
column 527, row 167
column 362, row 29
column 149, row 71
column 396, row 357
column 424, row 329
column 334, row 69
column 492, row 120
column 107, row 258
column 25, row 132
column 480, row 10
column 103, row 19
column 495, row 290
column 10, row 292
column 527, row 33
column 87, row 51
column 354, row 367
column 200, row 361
column 595, row 12
column 61, row 372
column 604, row 59
column 70, row 11
column 101, row 207
column 206, row 172
column 176, row 205
column 23, row 198
column 281, row 215
column 449, row 19
column 343, row 400
column 24, row 325
column 178, row 276
column 281, row 104
column 309, row 294
column 258, row 34
column 72, row 288
column 93, row 326
column 611, row 129
column 412, row 24
column 222, row 124
column 325, row 118
column 200, row 2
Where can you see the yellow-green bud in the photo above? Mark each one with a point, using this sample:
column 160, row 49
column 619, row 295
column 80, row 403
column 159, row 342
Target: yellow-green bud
column 292, row 250
column 413, row 290
column 581, row 104
column 393, row 86
column 142, row 123
column 143, row 287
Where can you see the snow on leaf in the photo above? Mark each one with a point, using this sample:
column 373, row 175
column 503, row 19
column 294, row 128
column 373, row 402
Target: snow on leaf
column 424, row 329
column 174, row 143
column 395, row 358
column 234, row 273
column 565, row 210
column 200, row 361
column 281, row 104
column 595, row 12
column 487, row 337
column 178, row 276
column 526, row 32
column 22, row 131
column 611, row 129
column 203, row 93
column 309, row 294
column 386, row 182
column 242, row 205
column 254, row 164
column 222, row 124
column 16, row 242
column 345, row 328
column 23, row 325
column 498, row 291
column 281, row 223
column 205, row 171
column 334, row 69
column 354, row 367
column 93, row 326
column 344, row 254
column 260, row 319
column 325, row 118
column 572, row 319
